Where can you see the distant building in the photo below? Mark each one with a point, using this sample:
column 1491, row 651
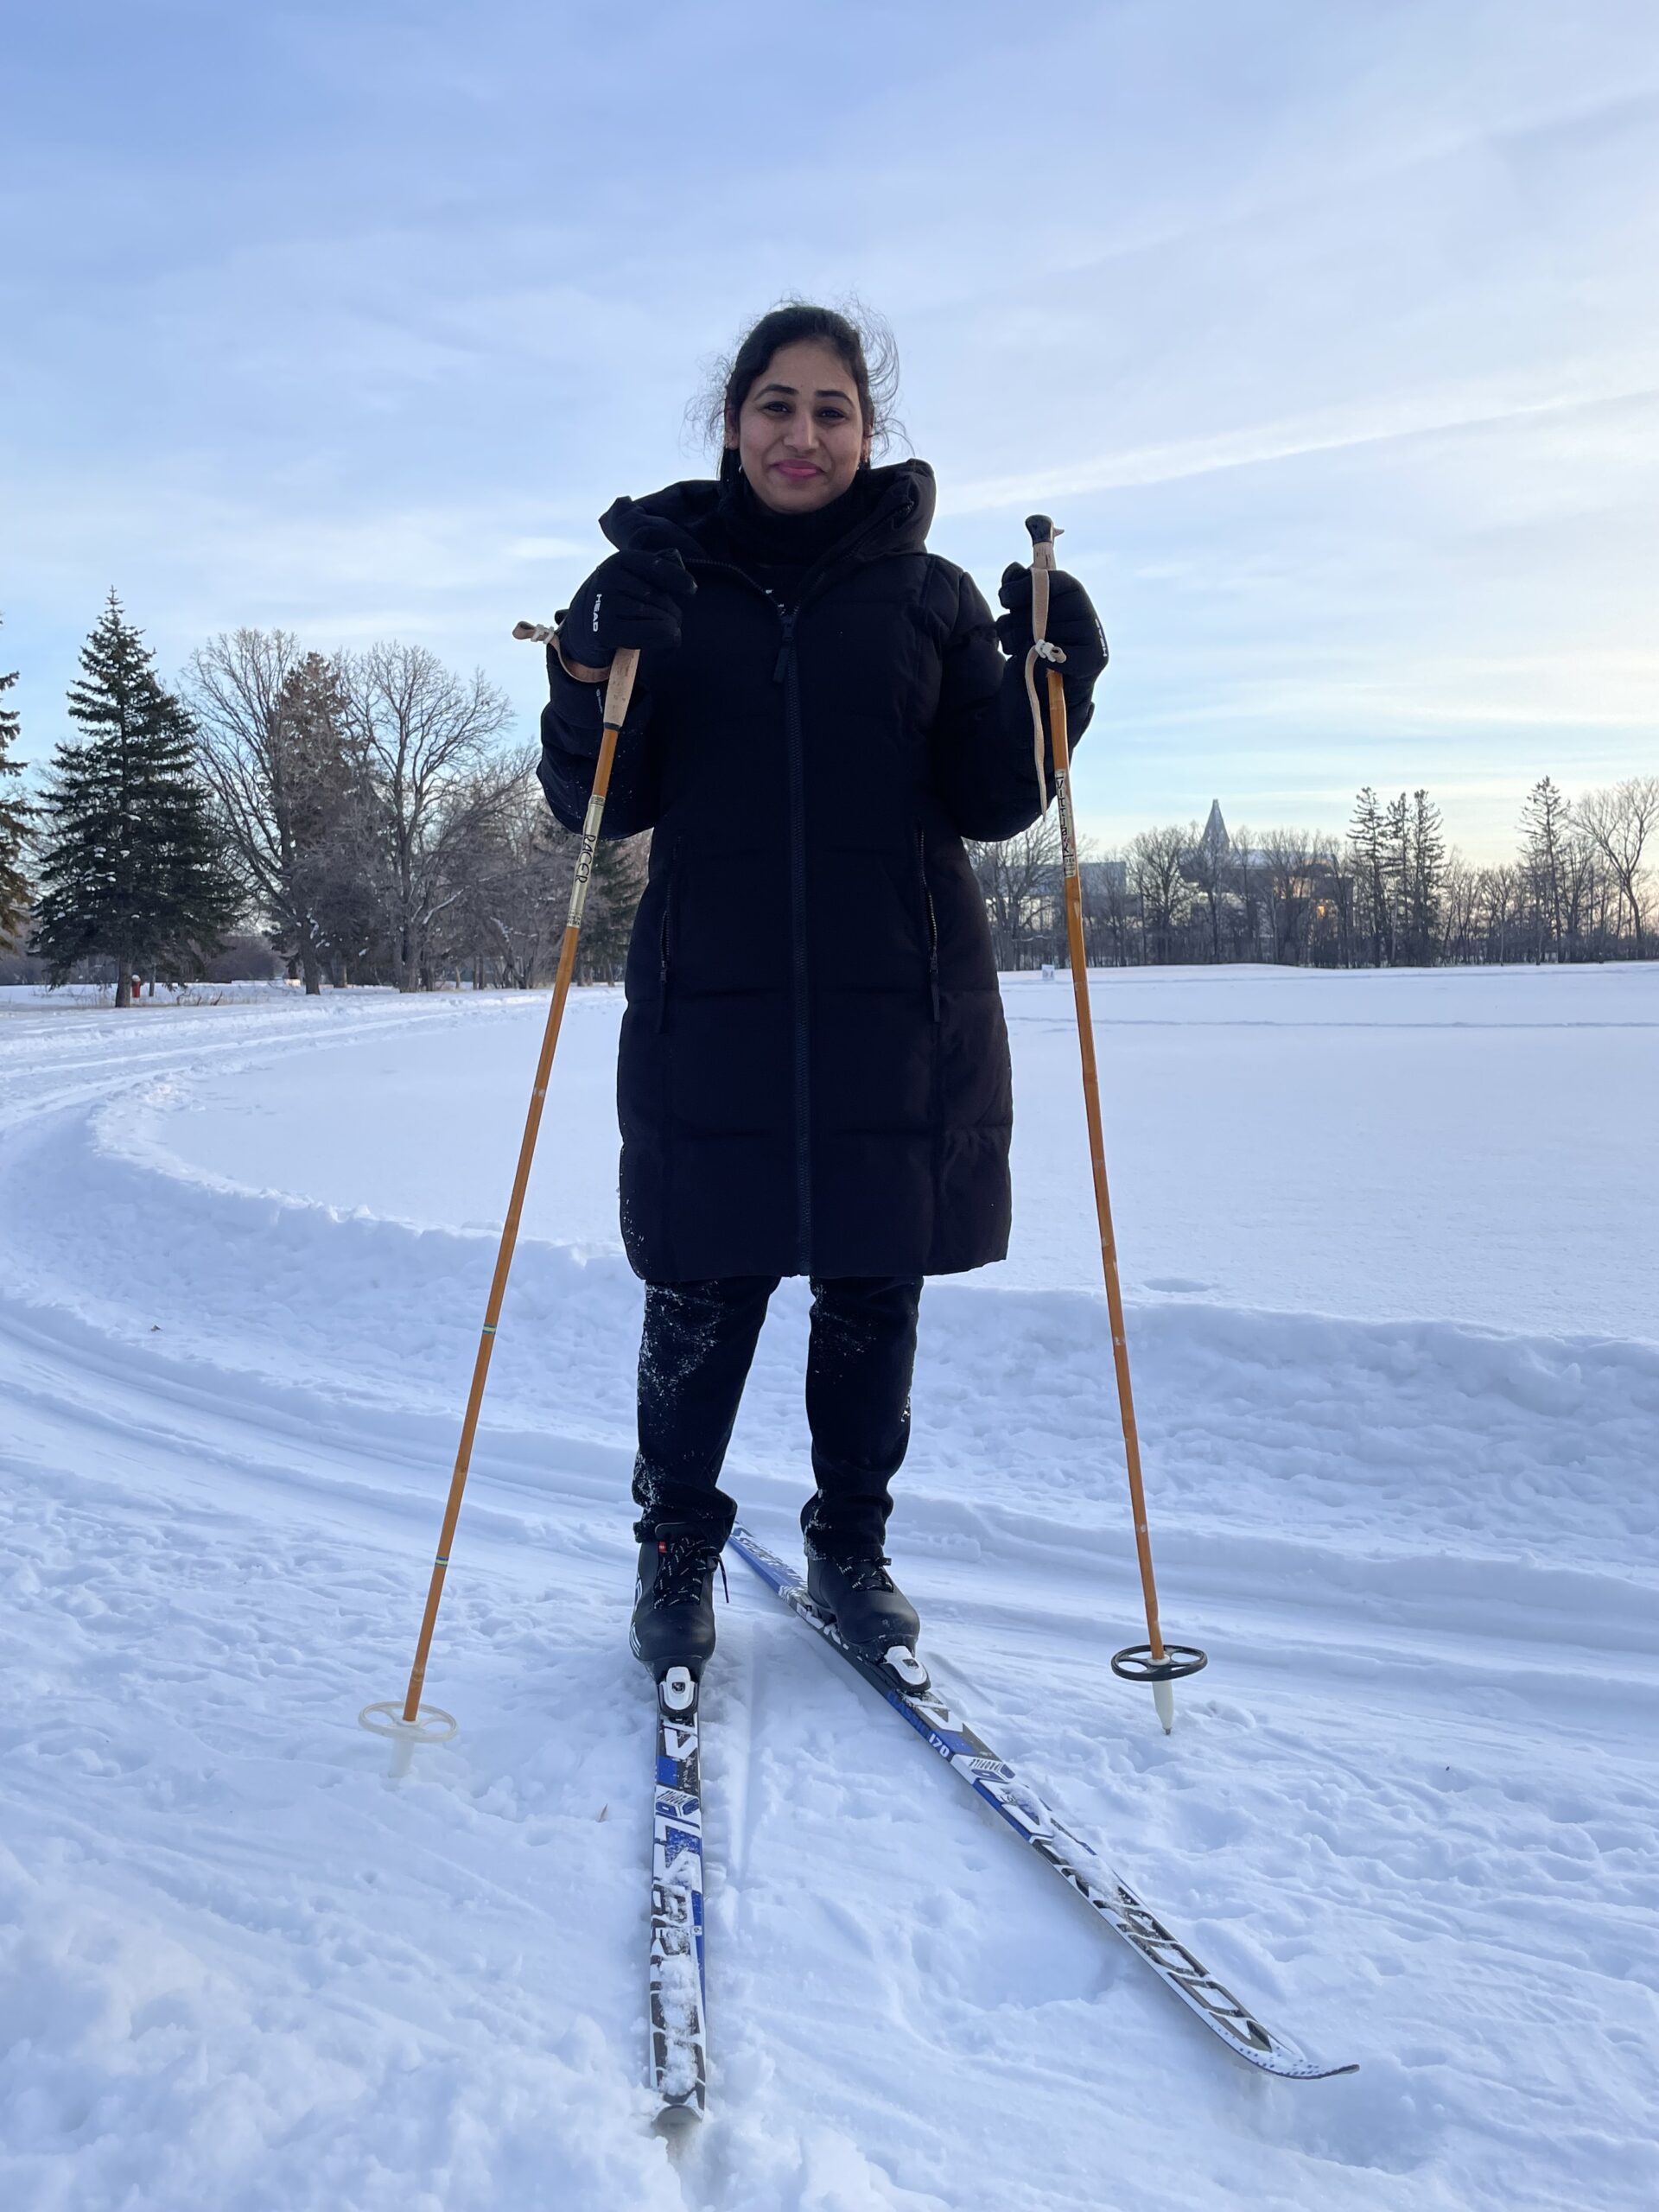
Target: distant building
column 1289, row 877
column 1216, row 852
column 1103, row 879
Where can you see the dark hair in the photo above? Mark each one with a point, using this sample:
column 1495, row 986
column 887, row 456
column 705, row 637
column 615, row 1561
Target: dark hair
column 860, row 339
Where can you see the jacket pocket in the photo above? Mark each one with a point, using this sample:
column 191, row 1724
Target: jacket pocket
column 932, row 921
column 665, row 952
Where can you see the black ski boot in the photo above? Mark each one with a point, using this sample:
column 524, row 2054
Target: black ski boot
column 674, row 1601
column 872, row 1614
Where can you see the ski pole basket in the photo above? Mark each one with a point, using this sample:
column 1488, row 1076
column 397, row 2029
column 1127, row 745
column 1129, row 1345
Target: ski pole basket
column 1136, row 1665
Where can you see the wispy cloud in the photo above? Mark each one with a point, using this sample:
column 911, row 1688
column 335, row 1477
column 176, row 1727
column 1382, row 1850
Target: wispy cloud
column 1334, row 430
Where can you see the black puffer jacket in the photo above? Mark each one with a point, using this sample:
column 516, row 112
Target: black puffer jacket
column 814, row 1072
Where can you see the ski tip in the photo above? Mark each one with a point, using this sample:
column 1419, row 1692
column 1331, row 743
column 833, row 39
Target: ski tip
column 1290, row 2064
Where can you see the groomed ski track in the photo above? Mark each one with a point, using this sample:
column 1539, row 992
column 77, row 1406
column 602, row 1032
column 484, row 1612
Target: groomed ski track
column 1412, row 1810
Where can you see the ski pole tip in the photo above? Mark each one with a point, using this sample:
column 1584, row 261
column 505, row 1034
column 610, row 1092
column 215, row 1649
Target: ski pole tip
column 1170, row 1661
column 432, row 1725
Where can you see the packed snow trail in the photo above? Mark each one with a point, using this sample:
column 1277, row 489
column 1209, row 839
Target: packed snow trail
column 1412, row 1807
column 903, row 1685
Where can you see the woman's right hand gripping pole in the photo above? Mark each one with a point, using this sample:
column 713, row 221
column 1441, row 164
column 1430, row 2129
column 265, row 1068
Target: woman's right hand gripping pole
column 637, row 598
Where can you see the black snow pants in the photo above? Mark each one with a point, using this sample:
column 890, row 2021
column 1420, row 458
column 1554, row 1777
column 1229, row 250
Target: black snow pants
column 694, row 1357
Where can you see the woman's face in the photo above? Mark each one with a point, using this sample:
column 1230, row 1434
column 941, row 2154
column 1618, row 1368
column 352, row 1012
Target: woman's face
column 800, row 433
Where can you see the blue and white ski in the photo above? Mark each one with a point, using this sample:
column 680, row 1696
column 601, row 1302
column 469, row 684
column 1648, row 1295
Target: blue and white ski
column 1077, row 1862
column 679, row 2044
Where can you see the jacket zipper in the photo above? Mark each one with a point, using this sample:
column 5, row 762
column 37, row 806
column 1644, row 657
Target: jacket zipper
column 932, row 924
column 786, row 671
column 662, row 955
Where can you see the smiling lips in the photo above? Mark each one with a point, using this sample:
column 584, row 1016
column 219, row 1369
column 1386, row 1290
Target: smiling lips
column 798, row 472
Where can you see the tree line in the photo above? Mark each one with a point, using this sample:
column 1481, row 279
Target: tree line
column 361, row 811
column 366, row 816
column 1386, row 892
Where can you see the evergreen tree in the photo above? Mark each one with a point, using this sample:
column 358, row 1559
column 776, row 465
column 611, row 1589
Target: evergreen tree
column 1424, row 889
column 1545, row 821
column 1370, row 869
column 16, row 817
column 131, row 868
column 1396, row 871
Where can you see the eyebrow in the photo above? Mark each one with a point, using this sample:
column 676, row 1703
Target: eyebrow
column 828, row 392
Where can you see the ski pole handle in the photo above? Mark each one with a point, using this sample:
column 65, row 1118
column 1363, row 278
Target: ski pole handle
column 618, row 689
column 1043, row 535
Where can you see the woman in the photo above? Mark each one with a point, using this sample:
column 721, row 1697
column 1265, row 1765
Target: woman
column 814, row 1070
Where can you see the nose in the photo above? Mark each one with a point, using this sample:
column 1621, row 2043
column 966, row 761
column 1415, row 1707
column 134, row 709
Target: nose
column 802, row 433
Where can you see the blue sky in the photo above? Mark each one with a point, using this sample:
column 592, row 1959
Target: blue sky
column 1329, row 333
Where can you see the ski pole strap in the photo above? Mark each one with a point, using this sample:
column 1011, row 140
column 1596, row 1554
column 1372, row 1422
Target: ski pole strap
column 579, row 669
column 547, row 634
column 1038, row 749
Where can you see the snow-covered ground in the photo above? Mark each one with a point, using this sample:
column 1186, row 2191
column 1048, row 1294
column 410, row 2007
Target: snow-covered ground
column 1392, row 1243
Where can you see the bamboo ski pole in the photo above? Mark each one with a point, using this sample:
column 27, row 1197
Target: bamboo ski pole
column 1154, row 1661
column 411, row 1723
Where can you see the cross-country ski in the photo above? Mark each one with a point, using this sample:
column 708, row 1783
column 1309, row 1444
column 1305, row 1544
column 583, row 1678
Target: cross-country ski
column 679, row 2036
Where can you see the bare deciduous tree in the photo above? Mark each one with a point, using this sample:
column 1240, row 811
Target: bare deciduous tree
column 1021, row 880
column 1156, row 859
column 270, row 740
column 1292, row 862
column 426, row 733
column 515, row 870
column 16, row 827
column 1460, row 908
column 1619, row 820
column 1106, row 910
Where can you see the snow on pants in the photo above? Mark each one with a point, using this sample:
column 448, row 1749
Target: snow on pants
column 695, row 1352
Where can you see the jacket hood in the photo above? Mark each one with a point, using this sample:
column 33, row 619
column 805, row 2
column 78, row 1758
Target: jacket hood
column 680, row 515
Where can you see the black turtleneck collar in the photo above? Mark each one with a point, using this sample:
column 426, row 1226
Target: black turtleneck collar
column 886, row 510
column 759, row 537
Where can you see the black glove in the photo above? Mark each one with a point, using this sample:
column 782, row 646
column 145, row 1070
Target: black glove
column 1073, row 625
column 635, row 599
